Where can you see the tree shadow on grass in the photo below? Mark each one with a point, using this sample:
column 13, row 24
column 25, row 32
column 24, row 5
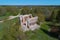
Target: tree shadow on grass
column 54, row 35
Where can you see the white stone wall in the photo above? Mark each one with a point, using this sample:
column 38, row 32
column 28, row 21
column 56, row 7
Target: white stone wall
column 30, row 22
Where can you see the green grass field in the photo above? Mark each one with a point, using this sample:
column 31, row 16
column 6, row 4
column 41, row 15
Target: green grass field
column 9, row 30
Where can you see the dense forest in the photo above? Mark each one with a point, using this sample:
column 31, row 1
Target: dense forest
column 44, row 13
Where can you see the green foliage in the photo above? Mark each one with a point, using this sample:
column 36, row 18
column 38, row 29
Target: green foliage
column 25, row 10
column 35, row 11
column 39, row 34
column 10, row 29
column 12, row 10
column 58, row 16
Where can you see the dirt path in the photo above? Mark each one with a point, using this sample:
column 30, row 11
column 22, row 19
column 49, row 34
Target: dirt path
column 12, row 17
column 1, row 21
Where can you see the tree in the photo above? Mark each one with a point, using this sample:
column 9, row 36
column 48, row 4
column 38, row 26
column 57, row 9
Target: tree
column 58, row 16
